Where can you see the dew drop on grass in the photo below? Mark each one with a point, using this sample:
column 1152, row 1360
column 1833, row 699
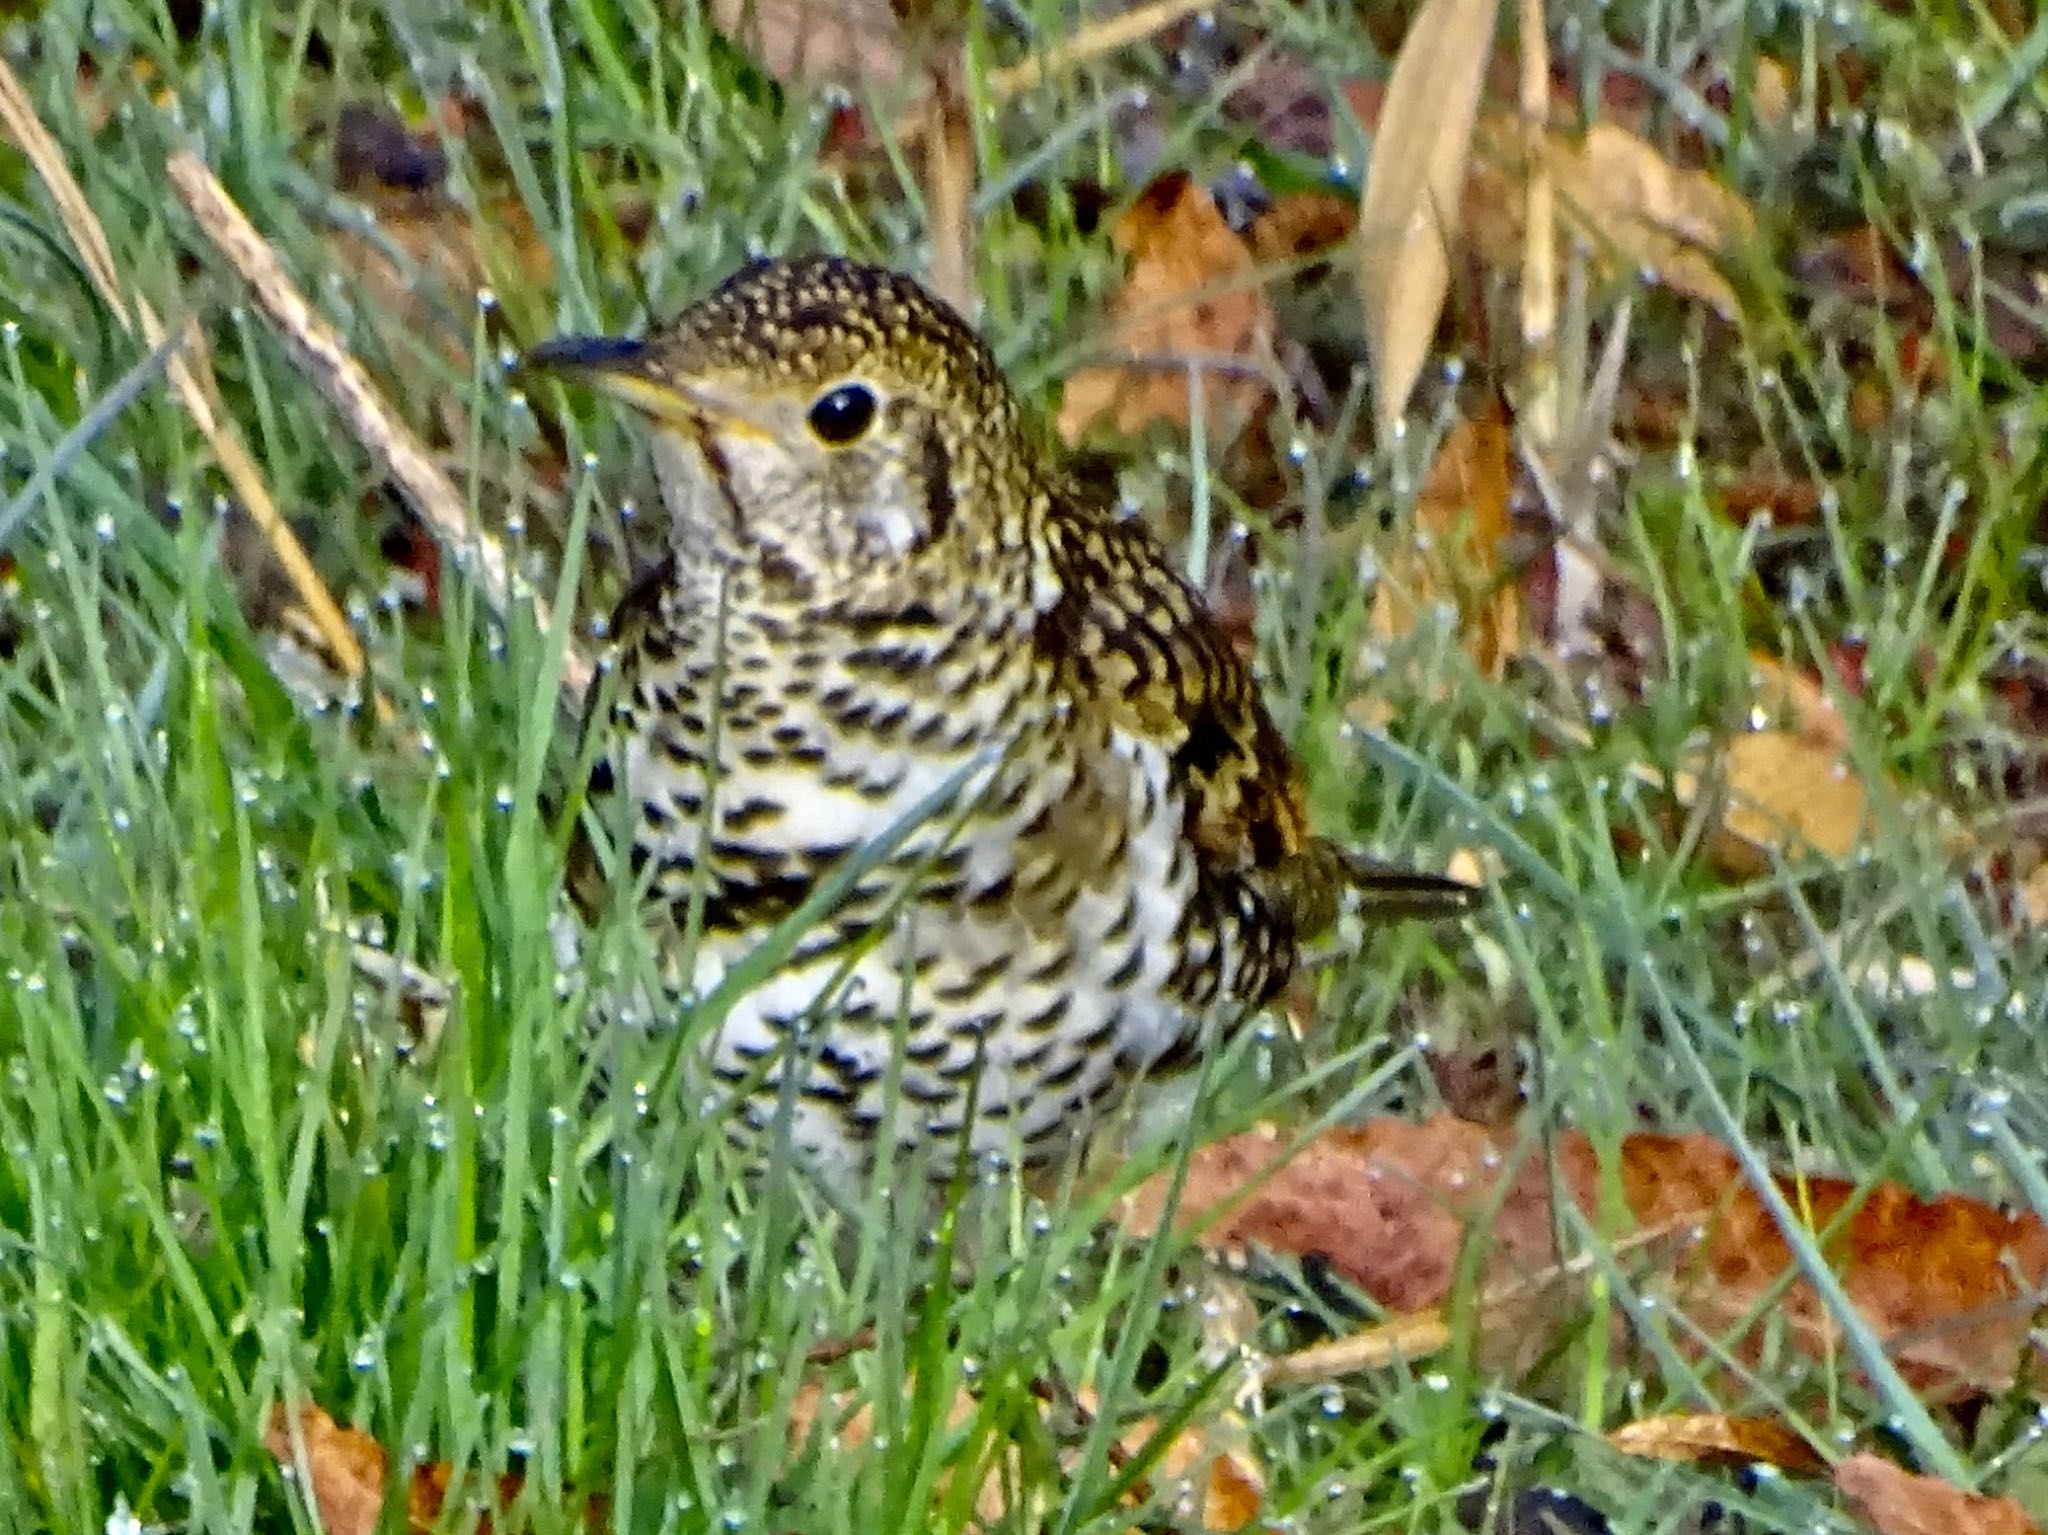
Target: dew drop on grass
column 367, row 1354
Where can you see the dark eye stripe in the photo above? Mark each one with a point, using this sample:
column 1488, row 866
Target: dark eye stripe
column 841, row 415
column 938, row 483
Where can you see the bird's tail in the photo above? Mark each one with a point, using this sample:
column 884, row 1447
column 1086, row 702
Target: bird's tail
column 1390, row 893
column 1311, row 884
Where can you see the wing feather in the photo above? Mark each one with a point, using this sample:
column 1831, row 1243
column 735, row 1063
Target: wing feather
column 1131, row 638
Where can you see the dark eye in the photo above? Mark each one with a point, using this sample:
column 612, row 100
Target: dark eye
column 842, row 414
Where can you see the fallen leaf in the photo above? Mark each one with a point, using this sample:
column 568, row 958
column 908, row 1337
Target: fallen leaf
column 1637, row 211
column 1896, row 1502
column 1191, row 298
column 2034, row 898
column 347, row 1468
column 1782, row 793
column 1795, row 699
column 1409, row 216
column 1786, row 499
column 1665, row 222
column 1719, row 1439
column 1455, row 552
column 1302, row 224
column 857, row 44
column 1386, row 1203
column 1949, row 1283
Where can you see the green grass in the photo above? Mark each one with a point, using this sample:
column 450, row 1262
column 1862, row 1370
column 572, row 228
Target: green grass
column 228, row 1176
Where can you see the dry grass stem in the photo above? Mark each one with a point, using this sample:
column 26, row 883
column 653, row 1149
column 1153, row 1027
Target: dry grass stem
column 321, row 355
column 191, row 375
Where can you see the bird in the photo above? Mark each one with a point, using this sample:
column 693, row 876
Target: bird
column 881, row 591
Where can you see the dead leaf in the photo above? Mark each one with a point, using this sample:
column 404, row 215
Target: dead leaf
column 1949, row 1283
column 1663, row 221
column 1385, row 1203
column 1191, row 298
column 347, row 1467
column 1796, row 700
column 1302, row 224
column 1414, row 196
column 1460, row 532
column 1786, row 499
column 449, row 256
column 2034, row 897
column 1786, row 793
column 857, row 44
column 1637, row 211
column 1719, row 1439
column 1896, row 1502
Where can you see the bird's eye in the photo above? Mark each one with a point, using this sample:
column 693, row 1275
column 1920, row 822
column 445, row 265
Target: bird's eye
column 840, row 415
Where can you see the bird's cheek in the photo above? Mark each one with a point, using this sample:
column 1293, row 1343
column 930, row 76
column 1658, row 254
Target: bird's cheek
column 696, row 498
column 888, row 530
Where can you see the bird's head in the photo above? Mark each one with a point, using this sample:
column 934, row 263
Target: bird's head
column 825, row 420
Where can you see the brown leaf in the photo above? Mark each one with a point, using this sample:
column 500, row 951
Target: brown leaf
column 1950, row 1284
column 1785, row 792
column 1461, row 530
column 1896, row 1502
column 1387, row 1203
column 1636, row 210
column 347, row 1468
column 1796, row 700
column 1786, row 499
column 1719, row 1439
column 1654, row 217
column 2033, row 903
column 451, row 255
column 1302, row 224
column 1415, row 190
column 854, row 43
column 1191, row 294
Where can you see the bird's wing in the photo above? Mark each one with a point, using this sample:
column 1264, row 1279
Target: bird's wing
column 1128, row 637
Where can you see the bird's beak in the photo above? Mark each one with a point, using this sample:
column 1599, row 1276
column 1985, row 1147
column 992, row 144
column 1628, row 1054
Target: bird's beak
column 619, row 366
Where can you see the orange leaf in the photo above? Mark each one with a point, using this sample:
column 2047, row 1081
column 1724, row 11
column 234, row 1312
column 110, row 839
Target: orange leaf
column 1797, row 699
column 1191, row 295
column 1897, row 1502
column 1951, row 1283
column 1786, row 791
column 347, row 1468
column 1719, row 1439
column 1461, row 529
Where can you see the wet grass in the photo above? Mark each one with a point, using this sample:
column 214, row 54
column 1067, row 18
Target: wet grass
column 232, row 1175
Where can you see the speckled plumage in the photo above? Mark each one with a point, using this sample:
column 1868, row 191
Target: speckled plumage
column 842, row 629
